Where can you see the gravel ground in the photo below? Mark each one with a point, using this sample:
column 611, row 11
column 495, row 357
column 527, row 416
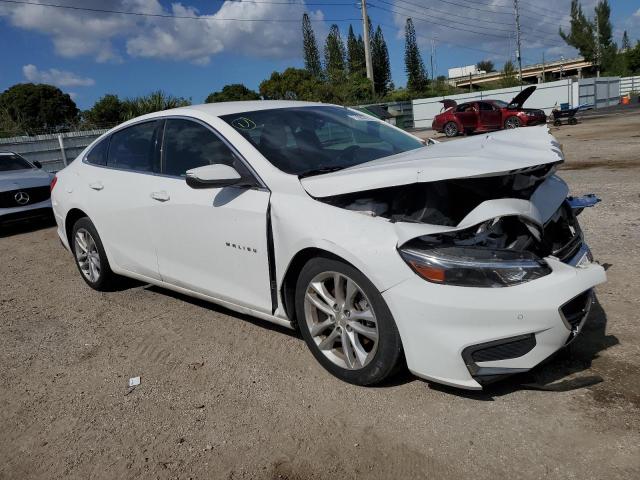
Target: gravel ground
column 227, row 396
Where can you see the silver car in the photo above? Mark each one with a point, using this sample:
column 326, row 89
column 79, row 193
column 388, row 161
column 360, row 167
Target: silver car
column 25, row 190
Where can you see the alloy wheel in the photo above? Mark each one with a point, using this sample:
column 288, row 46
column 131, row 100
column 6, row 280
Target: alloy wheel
column 450, row 129
column 341, row 320
column 87, row 255
column 513, row 122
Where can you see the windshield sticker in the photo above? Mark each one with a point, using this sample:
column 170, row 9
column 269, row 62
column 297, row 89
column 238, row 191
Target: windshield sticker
column 243, row 123
column 360, row 118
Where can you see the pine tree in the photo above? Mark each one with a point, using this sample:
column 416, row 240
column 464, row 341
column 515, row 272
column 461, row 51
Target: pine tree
column 311, row 54
column 417, row 79
column 334, row 55
column 626, row 44
column 580, row 35
column 608, row 48
column 355, row 54
column 381, row 65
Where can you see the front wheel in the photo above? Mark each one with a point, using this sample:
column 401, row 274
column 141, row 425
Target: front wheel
column 451, row 129
column 346, row 323
column 512, row 122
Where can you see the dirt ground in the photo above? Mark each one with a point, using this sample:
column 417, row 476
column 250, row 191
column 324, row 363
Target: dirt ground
column 227, row 396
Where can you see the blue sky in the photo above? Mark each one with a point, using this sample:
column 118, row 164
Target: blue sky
column 89, row 54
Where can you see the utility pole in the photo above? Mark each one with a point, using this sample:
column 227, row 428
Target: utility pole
column 433, row 51
column 367, row 45
column 543, row 67
column 470, row 83
column 597, row 47
column 517, row 13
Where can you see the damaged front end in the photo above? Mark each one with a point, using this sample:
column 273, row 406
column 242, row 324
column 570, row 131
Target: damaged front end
column 499, row 252
column 491, row 231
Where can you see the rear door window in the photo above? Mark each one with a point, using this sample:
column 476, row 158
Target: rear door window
column 188, row 144
column 134, row 148
column 465, row 107
column 485, row 106
column 98, row 154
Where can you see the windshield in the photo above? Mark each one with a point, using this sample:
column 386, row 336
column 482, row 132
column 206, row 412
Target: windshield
column 13, row 162
column 500, row 103
column 308, row 140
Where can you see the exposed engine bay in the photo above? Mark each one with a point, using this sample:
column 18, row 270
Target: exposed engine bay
column 447, row 202
column 443, row 202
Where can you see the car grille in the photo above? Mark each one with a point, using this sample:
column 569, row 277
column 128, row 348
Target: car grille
column 576, row 309
column 505, row 351
column 36, row 195
column 562, row 236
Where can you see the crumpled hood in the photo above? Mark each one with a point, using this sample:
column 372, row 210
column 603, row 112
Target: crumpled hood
column 482, row 155
column 28, row 178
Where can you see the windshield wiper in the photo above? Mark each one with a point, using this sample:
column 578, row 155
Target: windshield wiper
column 318, row 171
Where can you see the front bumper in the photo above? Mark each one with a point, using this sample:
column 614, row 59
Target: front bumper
column 28, row 212
column 536, row 120
column 440, row 325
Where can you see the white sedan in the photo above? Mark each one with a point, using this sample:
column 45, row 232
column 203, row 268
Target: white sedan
column 463, row 261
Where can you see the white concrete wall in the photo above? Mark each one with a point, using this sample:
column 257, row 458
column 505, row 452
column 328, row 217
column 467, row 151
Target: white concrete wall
column 546, row 96
column 629, row 84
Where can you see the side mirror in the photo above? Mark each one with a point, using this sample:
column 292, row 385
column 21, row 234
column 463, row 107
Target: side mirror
column 37, row 164
column 213, row 176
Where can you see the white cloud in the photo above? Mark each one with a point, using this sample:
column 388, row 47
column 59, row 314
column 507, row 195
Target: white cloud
column 57, row 77
column 80, row 33
column 490, row 27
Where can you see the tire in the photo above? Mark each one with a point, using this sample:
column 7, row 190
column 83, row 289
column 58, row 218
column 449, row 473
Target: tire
column 557, row 123
column 573, row 121
column 450, row 129
column 94, row 268
column 512, row 122
column 364, row 322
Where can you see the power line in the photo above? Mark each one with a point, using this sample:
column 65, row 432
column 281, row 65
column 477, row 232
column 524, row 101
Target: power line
column 508, row 7
column 181, row 17
column 501, row 22
column 466, row 47
column 537, row 13
column 448, row 13
column 422, row 19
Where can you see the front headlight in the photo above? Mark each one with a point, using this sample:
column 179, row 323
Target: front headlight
column 473, row 266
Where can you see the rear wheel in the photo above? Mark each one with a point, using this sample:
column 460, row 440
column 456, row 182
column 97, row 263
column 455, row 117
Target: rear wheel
column 512, row 122
column 90, row 256
column 573, row 121
column 450, row 129
column 346, row 323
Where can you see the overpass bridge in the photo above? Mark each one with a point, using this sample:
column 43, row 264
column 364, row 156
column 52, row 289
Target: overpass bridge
column 531, row 73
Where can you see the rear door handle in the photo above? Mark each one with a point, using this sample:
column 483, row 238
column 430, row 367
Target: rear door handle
column 161, row 196
column 96, row 186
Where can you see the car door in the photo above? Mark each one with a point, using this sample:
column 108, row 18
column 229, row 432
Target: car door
column 490, row 116
column 210, row 240
column 118, row 178
column 467, row 115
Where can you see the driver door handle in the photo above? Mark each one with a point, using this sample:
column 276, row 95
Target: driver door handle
column 161, row 196
column 96, row 186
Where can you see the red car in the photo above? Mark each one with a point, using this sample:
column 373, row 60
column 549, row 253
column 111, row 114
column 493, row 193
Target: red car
column 487, row 115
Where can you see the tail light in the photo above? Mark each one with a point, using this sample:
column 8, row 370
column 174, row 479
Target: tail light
column 53, row 183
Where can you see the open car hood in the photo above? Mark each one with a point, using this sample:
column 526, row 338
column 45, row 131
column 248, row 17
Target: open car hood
column 448, row 103
column 483, row 155
column 518, row 101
